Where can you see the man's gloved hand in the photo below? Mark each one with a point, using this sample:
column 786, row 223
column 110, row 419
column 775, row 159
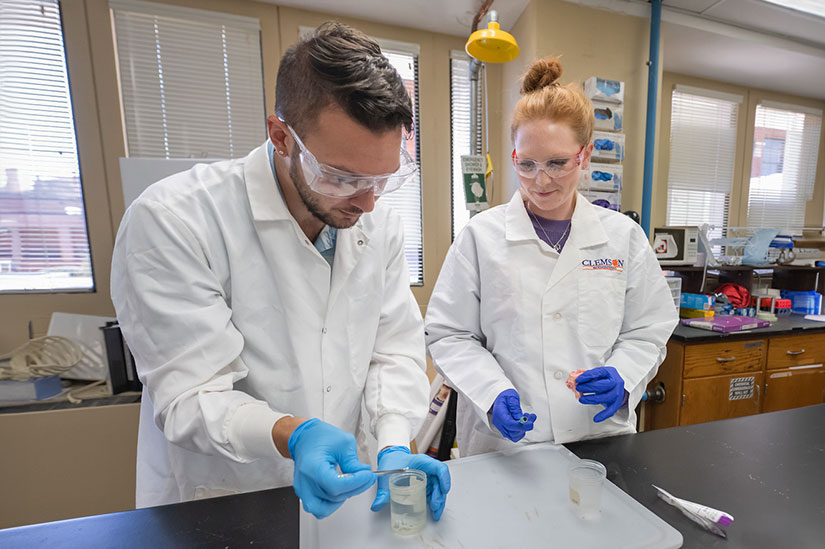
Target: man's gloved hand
column 318, row 449
column 602, row 385
column 438, row 477
column 507, row 412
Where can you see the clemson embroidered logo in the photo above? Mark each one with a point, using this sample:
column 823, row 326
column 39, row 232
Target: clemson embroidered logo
column 603, row 264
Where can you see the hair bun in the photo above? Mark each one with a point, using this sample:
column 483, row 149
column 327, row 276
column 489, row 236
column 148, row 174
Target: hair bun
column 542, row 73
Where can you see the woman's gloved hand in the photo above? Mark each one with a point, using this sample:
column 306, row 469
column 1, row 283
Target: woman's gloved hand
column 602, row 385
column 507, row 416
column 318, row 449
column 438, row 477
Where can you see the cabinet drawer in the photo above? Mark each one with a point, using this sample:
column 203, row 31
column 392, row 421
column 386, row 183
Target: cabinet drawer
column 794, row 387
column 801, row 350
column 724, row 358
column 720, row 397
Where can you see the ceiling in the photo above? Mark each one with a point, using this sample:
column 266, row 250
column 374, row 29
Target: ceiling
column 445, row 16
column 746, row 42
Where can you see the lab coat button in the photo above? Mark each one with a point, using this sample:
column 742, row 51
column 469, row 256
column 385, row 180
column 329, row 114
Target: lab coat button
column 360, row 242
column 329, row 388
column 556, row 316
column 323, row 330
column 558, row 375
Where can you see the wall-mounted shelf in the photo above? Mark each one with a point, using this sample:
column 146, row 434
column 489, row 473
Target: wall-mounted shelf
column 786, row 277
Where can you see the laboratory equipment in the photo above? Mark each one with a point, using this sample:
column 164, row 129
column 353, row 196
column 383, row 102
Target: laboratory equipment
column 408, row 502
column 676, row 245
column 707, row 517
column 492, row 45
column 586, row 478
column 437, row 475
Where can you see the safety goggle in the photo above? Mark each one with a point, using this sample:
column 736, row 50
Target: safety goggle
column 554, row 168
column 336, row 183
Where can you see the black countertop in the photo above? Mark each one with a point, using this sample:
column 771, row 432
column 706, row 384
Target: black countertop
column 766, row 470
column 789, row 325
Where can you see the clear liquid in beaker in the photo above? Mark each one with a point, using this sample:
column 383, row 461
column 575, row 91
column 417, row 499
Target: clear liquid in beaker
column 408, row 503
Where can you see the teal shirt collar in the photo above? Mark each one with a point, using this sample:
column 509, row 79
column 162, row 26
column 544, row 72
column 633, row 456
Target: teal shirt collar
column 327, row 239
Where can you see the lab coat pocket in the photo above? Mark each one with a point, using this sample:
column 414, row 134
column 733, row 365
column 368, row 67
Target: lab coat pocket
column 601, row 308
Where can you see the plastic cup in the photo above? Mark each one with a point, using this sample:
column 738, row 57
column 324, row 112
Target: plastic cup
column 586, row 478
column 408, row 502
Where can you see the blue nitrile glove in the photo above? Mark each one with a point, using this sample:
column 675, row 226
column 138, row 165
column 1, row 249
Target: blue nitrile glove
column 438, row 477
column 507, row 413
column 602, row 385
column 318, row 449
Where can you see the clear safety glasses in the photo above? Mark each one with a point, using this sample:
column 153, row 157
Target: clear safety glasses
column 554, row 168
column 336, row 183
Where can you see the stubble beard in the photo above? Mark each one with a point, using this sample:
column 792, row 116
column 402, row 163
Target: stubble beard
column 312, row 202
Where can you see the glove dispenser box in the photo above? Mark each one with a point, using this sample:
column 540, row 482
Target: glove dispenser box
column 602, row 177
column 609, row 200
column 602, row 89
column 608, row 147
column 607, row 116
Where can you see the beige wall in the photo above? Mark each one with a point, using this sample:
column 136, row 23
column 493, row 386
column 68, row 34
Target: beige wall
column 744, row 148
column 591, row 42
column 96, row 98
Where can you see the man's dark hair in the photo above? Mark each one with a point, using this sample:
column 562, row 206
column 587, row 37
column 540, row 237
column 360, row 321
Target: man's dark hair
column 342, row 66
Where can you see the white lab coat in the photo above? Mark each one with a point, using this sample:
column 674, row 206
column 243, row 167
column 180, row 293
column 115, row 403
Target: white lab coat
column 509, row 312
column 235, row 321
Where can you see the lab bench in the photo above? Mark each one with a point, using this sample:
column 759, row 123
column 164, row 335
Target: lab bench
column 765, row 470
column 707, row 376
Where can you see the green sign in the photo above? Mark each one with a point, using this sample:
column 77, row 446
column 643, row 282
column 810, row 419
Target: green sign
column 473, row 168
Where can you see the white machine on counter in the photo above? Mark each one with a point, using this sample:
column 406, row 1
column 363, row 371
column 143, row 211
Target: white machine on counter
column 676, row 245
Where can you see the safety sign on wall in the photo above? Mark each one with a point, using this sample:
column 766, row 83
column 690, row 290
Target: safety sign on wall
column 473, row 167
column 741, row 388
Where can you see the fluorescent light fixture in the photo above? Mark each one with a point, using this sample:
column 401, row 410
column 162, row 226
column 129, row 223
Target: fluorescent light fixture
column 812, row 7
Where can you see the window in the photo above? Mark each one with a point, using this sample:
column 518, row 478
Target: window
column 407, row 199
column 191, row 81
column 702, row 156
column 459, row 134
column 785, row 150
column 44, row 244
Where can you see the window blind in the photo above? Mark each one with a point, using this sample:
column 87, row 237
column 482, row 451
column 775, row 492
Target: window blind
column 459, row 134
column 785, row 150
column 191, row 81
column 44, row 244
column 407, row 200
column 702, row 156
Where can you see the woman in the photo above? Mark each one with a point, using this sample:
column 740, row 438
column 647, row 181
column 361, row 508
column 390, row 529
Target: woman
column 536, row 290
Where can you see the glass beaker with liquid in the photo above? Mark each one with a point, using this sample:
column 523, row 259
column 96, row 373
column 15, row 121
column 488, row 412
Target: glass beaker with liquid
column 586, row 479
column 408, row 502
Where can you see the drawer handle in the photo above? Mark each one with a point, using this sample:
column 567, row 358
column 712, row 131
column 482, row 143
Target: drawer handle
column 794, row 353
column 720, row 359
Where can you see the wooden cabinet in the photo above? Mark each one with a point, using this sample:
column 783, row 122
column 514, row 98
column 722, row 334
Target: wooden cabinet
column 721, row 397
column 794, row 387
column 723, row 379
column 796, row 350
column 728, row 357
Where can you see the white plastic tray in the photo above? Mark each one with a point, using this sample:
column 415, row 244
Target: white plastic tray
column 514, row 499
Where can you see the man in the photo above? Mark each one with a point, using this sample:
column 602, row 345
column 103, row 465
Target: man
column 266, row 299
